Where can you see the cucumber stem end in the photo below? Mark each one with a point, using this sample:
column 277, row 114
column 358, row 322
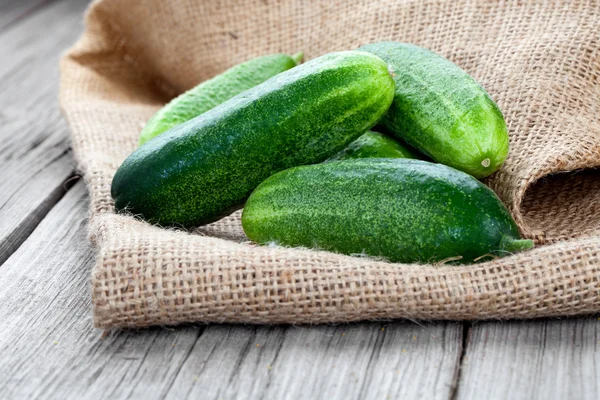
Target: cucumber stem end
column 514, row 245
column 298, row 57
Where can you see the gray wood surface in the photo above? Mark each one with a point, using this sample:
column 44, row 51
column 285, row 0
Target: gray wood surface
column 50, row 350
column 33, row 135
column 358, row 361
column 14, row 11
column 545, row 359
column 44, row 302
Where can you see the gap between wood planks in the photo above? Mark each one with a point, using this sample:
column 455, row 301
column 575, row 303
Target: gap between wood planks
column 466, row 333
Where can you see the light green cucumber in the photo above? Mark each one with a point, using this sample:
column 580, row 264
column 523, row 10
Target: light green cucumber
column 442, row 111
column 217, row 90
column 205, row 168
column 375, row 145
column 403, row 210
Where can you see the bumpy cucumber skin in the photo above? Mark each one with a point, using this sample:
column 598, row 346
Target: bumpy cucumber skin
column 374, row 145
column 440, row 110
column 399, row 209
column 205, row 168
column 215, row 91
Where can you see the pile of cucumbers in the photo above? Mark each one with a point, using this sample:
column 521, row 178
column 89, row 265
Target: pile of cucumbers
column 292, row 144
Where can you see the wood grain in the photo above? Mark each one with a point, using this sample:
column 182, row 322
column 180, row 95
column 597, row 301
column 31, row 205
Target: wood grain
column 13, row 12
column 44, row 301
column 34, row 137
column 545, row 359
column 49, row 347
column 357, row 361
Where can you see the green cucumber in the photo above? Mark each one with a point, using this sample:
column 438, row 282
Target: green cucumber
column 374, row 145
column 217, row 90
column 205, row 168
column 442, row 111
column 399, row 209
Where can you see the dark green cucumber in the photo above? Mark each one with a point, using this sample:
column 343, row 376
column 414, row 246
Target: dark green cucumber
column 374, row 145
column 205, row 168
column 215, row 91
column 440, row 110
column 400, row 209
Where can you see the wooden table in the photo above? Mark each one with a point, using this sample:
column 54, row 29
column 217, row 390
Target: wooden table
column 49, row 348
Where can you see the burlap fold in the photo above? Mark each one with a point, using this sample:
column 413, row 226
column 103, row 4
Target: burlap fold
column 540, row 61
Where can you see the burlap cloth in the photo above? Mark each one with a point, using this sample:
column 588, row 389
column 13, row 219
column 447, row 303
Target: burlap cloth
column 540, row 61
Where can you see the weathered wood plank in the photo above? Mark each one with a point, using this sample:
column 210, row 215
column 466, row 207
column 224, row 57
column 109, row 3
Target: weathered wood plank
column 33, row 135
column 12, row 12
column 358, row 361
column 545, row 359
column 48, row 346
column 44, row 302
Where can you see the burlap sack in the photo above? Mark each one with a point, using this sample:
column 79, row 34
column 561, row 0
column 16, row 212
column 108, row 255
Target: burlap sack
column 540, row 61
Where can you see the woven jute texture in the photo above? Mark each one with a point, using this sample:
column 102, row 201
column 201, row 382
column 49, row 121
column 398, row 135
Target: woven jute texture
column 540, row 60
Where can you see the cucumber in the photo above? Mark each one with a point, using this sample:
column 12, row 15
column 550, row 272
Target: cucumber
column 374, row 145
column 440, row 110
column 399, row 209
column 205, row 168
column 215, row 91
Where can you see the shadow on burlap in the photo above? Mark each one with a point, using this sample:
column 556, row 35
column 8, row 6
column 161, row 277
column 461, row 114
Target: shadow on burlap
column 540, row 61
